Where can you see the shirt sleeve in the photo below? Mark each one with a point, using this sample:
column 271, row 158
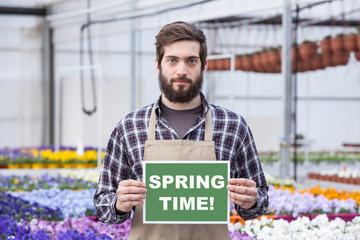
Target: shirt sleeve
column 115, row 168
column 250, row 168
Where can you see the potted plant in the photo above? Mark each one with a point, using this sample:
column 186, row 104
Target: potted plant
column 246, row 62
column 341, row 58
column 358, row 37
column 350, row 42
column 318, row 62
column 325, row 46
column 357, row 55
column 257, row 62
column 238, row 62
column 337, row 43
column 264, row 60
column 307, row 50
column 274, row 59
column 213, row 63
column 294, row 53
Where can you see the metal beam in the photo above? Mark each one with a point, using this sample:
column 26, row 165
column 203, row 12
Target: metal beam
column 286, row 75
column 23, row 11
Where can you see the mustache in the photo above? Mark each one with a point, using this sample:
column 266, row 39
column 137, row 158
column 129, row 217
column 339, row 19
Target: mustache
column 182, row 79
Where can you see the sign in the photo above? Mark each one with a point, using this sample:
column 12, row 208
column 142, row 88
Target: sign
column 186, row 192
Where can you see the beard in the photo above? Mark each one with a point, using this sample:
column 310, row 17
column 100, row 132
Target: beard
column 182, row 94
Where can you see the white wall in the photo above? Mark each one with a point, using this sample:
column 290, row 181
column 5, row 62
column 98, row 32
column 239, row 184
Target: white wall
column 21, row 82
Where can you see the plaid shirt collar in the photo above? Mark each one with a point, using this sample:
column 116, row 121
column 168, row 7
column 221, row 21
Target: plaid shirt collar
column 204, row 102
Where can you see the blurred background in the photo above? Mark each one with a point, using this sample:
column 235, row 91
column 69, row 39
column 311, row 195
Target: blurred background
column 70, row 70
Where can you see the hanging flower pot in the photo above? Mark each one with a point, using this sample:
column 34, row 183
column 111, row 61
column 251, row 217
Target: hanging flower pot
column 307, row 50
column 273, row 56
column 225, row 64
column 350, row 42
column 328, row 61
column 257, row 62
column 318, row 62
column 340, row 58
column 325, row 46
column 238, row 62
column 337, row 44
column 264, row 60
column 212, row 64
column 277, row 68
column 357, row 55
column 247, row 62
column 294, row 53
column 358, row 41
column 306, row 66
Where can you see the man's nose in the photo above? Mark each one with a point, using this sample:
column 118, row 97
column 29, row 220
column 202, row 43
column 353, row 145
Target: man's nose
column 181, row 68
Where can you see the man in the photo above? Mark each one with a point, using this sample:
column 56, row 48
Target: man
column 180, row 125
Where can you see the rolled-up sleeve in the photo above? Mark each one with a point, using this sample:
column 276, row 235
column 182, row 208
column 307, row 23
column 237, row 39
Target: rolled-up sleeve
column 249, row 167
column 115, row 169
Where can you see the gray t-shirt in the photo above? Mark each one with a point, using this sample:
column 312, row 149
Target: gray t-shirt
column 181, row 120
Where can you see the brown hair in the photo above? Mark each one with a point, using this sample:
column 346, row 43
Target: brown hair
column 177, row 31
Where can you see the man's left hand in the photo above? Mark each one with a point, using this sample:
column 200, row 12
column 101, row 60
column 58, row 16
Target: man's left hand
column 242, row 192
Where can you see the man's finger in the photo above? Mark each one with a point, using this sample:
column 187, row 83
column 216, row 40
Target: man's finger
column 131, row 182
column 131, row 198
column 242, row 182
column 131, row 190
column 242, row 190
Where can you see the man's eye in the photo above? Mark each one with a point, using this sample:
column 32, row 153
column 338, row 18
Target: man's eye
column 192, row 61
column 172, row 61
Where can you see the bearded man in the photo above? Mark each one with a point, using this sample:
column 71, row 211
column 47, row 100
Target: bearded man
column 180, row 125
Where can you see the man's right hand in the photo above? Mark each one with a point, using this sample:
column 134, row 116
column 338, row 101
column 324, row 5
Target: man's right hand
column 130, row 193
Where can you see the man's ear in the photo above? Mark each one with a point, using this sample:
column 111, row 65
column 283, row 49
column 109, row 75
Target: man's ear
column 205, row 67
column 157, row 66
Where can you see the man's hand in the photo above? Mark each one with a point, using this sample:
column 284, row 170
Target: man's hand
column 130, row 193
column 242, row 192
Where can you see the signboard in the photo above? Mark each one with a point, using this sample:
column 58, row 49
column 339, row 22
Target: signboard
column 186, row 192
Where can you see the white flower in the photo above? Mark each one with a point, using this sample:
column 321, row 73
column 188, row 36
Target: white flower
column 231, row 227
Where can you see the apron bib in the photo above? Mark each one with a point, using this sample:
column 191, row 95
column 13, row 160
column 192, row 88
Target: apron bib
column 177, row 150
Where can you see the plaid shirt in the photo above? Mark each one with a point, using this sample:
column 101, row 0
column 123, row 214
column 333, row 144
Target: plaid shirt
column 125, row 150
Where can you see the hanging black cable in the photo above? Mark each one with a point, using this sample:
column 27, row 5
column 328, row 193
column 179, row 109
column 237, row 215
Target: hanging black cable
column 91, row 61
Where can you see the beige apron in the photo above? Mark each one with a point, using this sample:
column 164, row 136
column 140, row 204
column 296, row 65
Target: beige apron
column 177, row 150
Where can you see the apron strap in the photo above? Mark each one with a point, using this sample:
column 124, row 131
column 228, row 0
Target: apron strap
column 208, row 125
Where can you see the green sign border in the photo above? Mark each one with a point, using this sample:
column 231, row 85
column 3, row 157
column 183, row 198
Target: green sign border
column 225, row 221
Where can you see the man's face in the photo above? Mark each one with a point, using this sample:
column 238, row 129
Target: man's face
column 180, row 75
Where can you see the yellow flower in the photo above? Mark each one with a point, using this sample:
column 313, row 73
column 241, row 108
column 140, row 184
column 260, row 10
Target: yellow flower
column 16, row 181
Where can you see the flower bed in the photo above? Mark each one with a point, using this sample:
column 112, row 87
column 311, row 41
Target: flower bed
column 52, row 213
column 302, row 228
column 314, row 157
column 349, row 176
column 283, row 202
column 47, row 157
column 46, row 208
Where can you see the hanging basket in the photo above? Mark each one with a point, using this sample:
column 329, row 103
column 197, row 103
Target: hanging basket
column 273, row 57
column 265, row 61
column 238, row 63
column 307, row 50
column 328, row 61
column 318, row 62
column 357, row 55
column 350, row 42
column 246, row 63
column 325, row 46
column 337, row 44
column 224, row 64
column 211, row 64
column 340, row 59
column 257, row 62
column 358, row 41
